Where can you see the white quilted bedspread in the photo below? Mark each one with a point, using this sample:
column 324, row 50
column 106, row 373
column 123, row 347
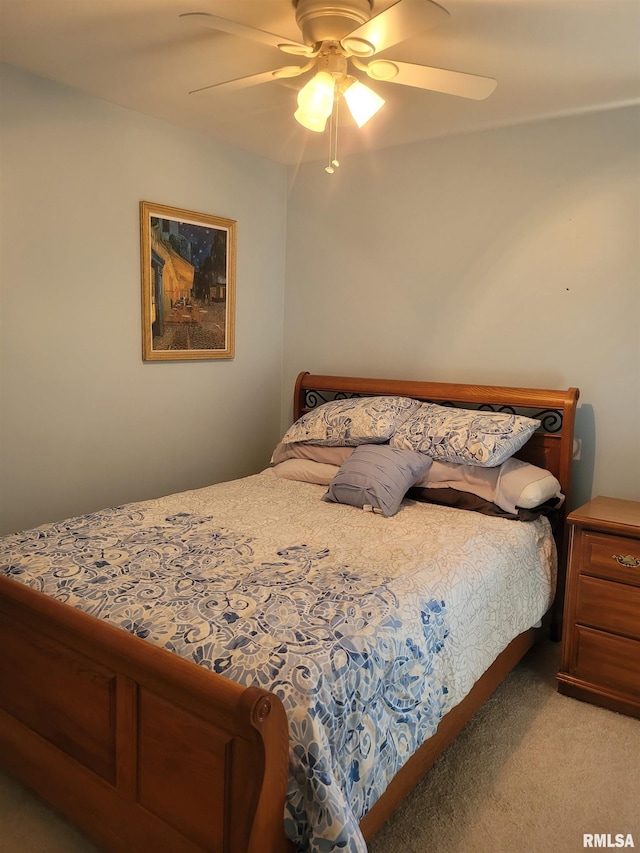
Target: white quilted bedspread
column 368, row 628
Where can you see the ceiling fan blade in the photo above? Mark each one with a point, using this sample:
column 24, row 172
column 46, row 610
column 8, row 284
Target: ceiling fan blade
column 254, row 79
column 235, row 29
column 435, row 79
column 399, row 22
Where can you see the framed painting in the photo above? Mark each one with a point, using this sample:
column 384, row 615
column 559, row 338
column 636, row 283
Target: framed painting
column 188, row 284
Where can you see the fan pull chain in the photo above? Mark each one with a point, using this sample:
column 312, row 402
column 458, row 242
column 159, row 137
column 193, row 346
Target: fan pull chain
column 333, row 139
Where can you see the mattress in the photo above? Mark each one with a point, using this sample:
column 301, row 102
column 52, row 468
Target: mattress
column 368, row 628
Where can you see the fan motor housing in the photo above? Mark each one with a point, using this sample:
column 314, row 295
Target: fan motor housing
column 330, row 21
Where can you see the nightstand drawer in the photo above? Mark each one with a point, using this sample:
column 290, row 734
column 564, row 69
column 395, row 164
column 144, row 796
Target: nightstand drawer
column 607, row 556
column 609, row 606
column 608, row 660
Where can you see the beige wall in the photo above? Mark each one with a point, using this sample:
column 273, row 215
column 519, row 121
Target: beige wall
column 507, row 257
column 84, row 423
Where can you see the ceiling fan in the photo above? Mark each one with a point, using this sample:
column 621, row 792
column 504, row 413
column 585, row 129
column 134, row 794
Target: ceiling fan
column 337, row 34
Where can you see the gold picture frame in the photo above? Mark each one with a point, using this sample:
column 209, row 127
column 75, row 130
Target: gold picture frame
column 188, row 284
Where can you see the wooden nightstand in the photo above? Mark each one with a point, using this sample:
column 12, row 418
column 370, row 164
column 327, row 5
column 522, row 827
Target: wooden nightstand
column 601, row 638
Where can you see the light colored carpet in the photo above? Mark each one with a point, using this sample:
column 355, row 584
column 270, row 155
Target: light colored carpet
column 530, row 773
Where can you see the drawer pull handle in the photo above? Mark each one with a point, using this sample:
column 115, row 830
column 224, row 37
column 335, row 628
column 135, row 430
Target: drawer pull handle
column 627, row 560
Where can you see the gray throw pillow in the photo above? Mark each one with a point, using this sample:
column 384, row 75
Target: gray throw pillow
column 376, row 477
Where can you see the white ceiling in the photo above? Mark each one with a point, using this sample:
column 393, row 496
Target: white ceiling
column 550, row 57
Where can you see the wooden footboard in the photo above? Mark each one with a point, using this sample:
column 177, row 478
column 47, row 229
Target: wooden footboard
column 141, row 748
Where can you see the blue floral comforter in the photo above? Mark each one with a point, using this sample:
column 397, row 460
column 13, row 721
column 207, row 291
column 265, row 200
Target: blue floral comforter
column 369, row 629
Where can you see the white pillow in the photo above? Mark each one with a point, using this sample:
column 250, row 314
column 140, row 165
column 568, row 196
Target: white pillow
column 306, row 471
column 540, row 491
column 511, row 485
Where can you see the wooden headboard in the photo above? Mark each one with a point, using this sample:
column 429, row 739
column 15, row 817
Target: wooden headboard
column 551, row 447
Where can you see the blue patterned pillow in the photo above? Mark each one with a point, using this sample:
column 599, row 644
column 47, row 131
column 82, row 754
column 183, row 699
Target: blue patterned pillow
column 464, row 435
column 358, row 420
column 376, row 477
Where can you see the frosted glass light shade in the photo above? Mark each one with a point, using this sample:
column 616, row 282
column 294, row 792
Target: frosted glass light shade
column 310, row 122
column 362, row 101
column 315, row 102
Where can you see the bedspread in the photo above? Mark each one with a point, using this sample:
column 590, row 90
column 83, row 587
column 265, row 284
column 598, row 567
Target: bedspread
column 369, row 629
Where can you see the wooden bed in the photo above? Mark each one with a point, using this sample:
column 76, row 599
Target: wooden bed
column 144, row 749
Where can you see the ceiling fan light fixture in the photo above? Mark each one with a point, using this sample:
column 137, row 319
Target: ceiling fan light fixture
column 316, row 123
column 315, row 102
column 336, row 34
column 363, row 102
